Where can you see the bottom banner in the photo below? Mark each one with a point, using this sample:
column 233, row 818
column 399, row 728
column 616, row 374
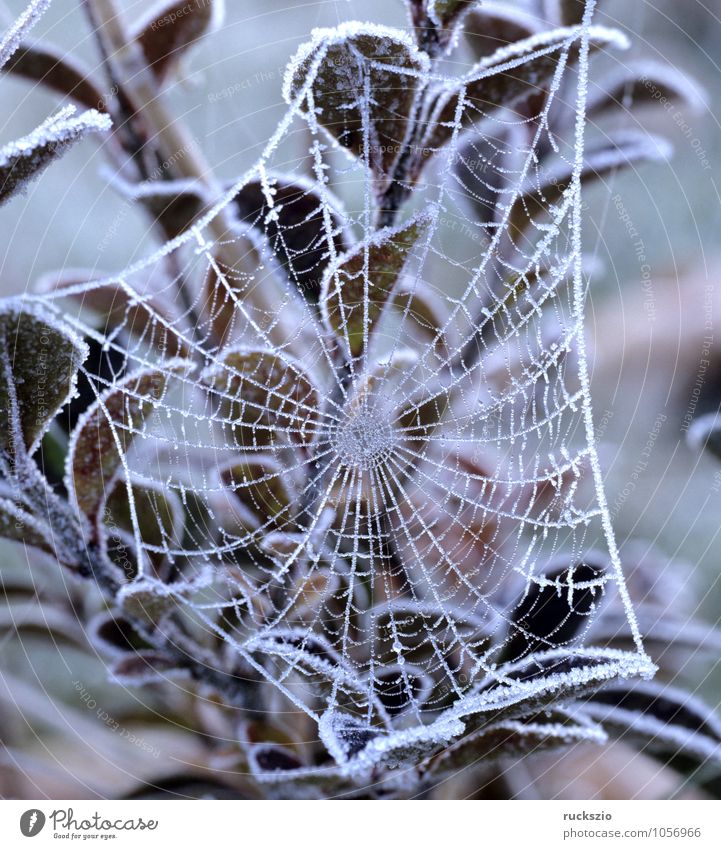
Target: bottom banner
column 350, row 824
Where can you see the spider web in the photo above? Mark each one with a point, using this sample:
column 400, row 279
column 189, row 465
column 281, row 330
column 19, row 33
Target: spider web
column 370, row 538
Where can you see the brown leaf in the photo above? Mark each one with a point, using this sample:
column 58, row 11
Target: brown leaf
column 297, row 236
column 146, row 318
column 641, row 84
column 45, row 64
column 495, row 25
column 261, row 485
column 39, row 361
column 511, row 75
column 618, row 150
column 119, row 414
column 171, row 30
column 159, row 515
column 174, row 205
column 343, row 297
column 23, row 160
column 265, row 397
column 353, row 58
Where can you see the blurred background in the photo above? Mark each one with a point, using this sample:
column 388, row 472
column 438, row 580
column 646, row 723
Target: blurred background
column 654, row 308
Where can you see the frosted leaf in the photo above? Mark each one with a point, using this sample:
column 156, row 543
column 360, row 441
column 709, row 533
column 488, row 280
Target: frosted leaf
column 171, row 27
column 511, row 74
column 392, row 507
column 664, row 718
column 513, row 739
column 495, row 25
column 39, row 359
column 22, row 25
column 26, row 158
column 356, row 288
column 360, row 81
column 53, row 68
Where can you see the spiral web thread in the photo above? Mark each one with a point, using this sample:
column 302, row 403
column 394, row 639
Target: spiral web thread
column 367, row 569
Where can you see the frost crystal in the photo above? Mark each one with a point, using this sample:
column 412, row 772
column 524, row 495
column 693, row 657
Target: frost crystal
column 384, row 457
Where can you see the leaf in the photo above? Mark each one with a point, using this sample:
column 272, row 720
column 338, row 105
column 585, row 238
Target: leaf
column 39, row 361
column 447, row 13
column 511, row 739
column 114, row 635
column 364, row 84
column 19, row 525
column 530, row 685
column 11, row 41
column 147, row 318
column 56, row 70
column 510, row 75
column 296, row 229
column 174, row 205
column 263, row 396
column 665, row 718
column 25, row 159
column 262, row 486
column 105, row 432
column 264, row 759
column 171, row 28
column 145, row 667
column 571, row 12
column 618, row 150
column 377, row 263
column 495, row 25
column 424, row 309
column 160, row 520
column 705, row 433
column 644, row 83
column 555, row 609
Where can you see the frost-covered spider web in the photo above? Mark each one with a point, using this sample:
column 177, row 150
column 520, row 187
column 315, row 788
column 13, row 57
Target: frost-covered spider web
column 356, row 446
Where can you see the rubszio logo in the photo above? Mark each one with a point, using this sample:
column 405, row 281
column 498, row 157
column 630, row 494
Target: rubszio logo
column 32, row 822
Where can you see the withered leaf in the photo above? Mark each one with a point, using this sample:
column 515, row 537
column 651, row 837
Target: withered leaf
column 26, row 158
column 619, row 149
column 495, row 25
column 39, row 361
column 364, row 90
column 171, row 30
column 297, row 234
column 119, row 414
column 356, row 289
column 45, row 64
column 513, row 74
column 554, row 611
column 264, row 396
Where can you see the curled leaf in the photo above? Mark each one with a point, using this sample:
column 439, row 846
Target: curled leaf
column 22, row 160
column 363, row 81
column 48, row 66
column 513, row 74
column 495, row 25
column 171, row 28
column 356, row 289
column 644, row 83
column 665, row 718
column 39, row 361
